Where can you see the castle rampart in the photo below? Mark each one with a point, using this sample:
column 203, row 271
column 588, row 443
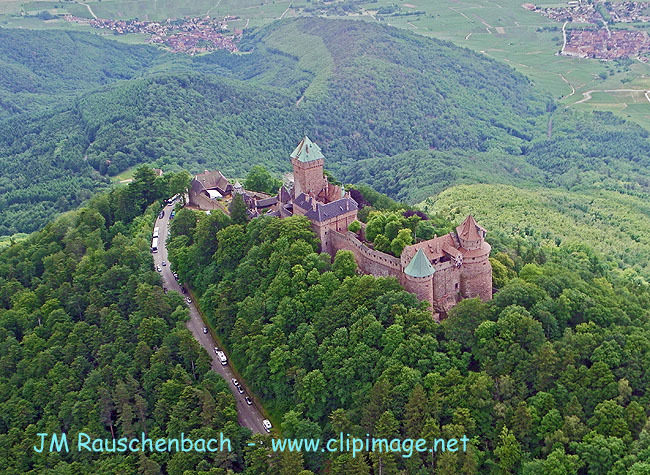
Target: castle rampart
column 440, row 271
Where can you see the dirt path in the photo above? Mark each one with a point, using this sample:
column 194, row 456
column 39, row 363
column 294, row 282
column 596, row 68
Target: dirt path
column 208, row 12
column 573, row 89
column 587, row 95
column 284, row 12
column 90, row 10
column 461, row 13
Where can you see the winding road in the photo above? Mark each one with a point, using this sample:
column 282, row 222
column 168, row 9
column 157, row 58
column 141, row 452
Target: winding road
column 248, row 416
column 587, row 95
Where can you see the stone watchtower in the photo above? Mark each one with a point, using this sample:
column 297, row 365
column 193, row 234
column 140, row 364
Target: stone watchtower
column 476, row 270
column 307, row 161
column 417, row 277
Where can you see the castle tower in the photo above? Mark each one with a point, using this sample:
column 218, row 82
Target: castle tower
column 470, row 235
column 476, row 271
column 307, row 161
column 418, row 277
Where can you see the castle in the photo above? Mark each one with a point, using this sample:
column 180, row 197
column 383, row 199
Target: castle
column 441, row 271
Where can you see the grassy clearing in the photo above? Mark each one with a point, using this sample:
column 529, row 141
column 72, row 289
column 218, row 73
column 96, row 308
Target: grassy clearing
column 125, row 175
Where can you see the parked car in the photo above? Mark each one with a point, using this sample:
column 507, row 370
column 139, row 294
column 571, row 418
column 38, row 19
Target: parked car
column 164, row 263
column 267, row 425
column 188, row 300
column 205, row 330
column 216, row 349
column 222, row 358
column 248, row 401
column 240, row 389
column 234, row 382
column 158, row 268
column 162, row 214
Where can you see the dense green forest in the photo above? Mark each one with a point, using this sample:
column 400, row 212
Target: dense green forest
column 549, row 377
column 89, row 342
column 40, row 68
column 406, row 114
column 615, row 224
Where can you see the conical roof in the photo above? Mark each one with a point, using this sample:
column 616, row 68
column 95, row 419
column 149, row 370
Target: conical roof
column 307, row 151
column 469, row 229
column 419, row 266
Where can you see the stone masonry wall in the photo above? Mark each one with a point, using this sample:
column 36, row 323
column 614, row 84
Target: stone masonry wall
column 368, row 260
column 203, row 202
column 308, row 177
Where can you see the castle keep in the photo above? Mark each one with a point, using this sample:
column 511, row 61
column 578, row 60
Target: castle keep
column 441, row 271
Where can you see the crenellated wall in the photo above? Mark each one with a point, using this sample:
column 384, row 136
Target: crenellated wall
column 444, row 289
column 368, row 260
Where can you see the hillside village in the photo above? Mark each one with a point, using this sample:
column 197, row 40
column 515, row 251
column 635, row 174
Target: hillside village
column 598, row 39
column 186, row 35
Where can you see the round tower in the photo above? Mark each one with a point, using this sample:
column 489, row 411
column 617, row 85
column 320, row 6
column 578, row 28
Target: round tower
column 476, row 270
column 418, row 277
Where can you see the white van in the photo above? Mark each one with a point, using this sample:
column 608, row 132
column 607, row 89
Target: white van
column 222, row 357
column 267, row 425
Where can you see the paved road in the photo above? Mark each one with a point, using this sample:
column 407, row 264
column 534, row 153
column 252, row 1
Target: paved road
column 249, row 416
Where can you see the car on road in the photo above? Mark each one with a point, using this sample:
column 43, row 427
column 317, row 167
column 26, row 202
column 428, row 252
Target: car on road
column 162, row 214
column 175, row 275
column 205, row 330
column 188, row 300
column 158, row 268
column 248, row 401
column 267, row 425
column 234, row 382
column 216, row 349
column 222, row 358
column 240, row 389
column 164, row 263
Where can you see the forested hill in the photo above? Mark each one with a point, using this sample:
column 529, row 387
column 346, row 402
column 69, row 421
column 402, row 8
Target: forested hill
column 89, row 342
column 39, row 67
column 362, row 91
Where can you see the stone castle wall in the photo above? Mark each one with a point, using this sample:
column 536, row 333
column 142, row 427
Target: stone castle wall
column 368, row 260
column 447, row 281
column 422, row 287
column 202, row 201
column 444, row 289
column 476, row 279
column 308, row 176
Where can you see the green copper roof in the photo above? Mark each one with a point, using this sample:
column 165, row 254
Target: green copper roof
column 419, row 266
column 307, row 151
